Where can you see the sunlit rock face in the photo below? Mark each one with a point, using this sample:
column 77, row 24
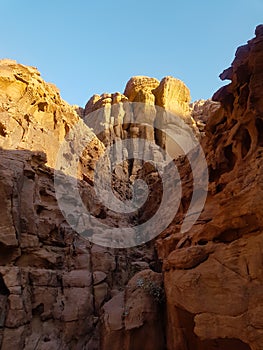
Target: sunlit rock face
column 213, row 275
column 201, row 289
column 34, row 117
column 145, row 109
column 57, row 289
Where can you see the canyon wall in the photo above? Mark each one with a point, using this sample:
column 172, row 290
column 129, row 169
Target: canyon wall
column 213, row 274
column 200, row 289
column 58, row 290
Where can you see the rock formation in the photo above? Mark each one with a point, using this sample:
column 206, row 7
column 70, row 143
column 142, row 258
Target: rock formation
column 196, row 290
column 213, row 276
column 56, row 288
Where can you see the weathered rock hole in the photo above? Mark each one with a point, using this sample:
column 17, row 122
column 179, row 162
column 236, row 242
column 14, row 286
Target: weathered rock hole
column 2, row 130
column 232, row 123
column 228, row 236
column 38, row 310
column 244, row 139
column 6, row 254
column 213, row 174
column 102, row 214
column 259, row 126
column 40, row 208
column 27, row 118
column 230, row 156
column 216, row 127
column 220, row 187
column 3, row 288
column 202, row 242
column 223, row 167
column 42, row 106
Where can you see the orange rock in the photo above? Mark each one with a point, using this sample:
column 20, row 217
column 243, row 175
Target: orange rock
column 213, row 276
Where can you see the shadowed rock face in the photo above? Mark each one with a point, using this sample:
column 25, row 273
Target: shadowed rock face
column 213, row 279
column 59, row 291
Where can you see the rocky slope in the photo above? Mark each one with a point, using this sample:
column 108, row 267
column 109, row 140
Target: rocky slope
column 201, row 289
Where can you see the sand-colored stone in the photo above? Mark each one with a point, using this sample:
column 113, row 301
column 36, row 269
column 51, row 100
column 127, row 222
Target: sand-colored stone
column 34, row 117
column 173, row 95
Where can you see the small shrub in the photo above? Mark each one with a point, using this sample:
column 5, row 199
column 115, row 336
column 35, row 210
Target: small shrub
column 152, row 288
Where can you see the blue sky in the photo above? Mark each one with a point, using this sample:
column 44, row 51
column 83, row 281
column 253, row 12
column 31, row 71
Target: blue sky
column 87, row 47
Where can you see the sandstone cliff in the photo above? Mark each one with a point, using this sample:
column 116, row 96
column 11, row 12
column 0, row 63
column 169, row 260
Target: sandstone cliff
column 213, row 275
column 57, row 289
column 200, row 289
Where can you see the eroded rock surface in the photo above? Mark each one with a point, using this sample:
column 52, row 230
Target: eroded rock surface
column 53, row 282
column 213, row 275
column 55, row 286
column 203, row 291
column 35, row 118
